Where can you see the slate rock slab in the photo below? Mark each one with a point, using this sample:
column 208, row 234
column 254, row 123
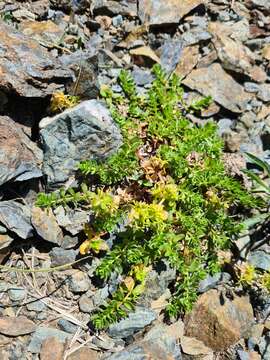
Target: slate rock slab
column 46, row 225
column 20, row 158
column 27, row 68
column 158, row 12
column 86, row 131
column 42, row 333
column 16, row 326
column 134, row 322
column 16, row 218
column 214, row 81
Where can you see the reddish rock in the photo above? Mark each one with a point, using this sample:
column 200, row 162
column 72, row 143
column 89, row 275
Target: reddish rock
column 52, row 349
column 84, row 353
column 218, row 321
column 16, row 326
column 158, row 12
column 214, row 81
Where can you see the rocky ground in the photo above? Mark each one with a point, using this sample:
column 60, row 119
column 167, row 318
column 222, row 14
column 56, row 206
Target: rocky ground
column 221, row 48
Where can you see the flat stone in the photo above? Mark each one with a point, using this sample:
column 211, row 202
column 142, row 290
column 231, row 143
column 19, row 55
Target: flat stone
column 135, row 322
column 260, row 260
column 5, row 241
column 189, row 59
column 20, row 158
column 170, row 53
column 233, row 54
column 72, row 220
column 46, row 225
column 219, row 322
column 264, row 92
column 158, row 12
column 27, row 68
column 61, row 256
column 192, row 346
column 42, row 31
column 52, row 349
column 84, row 353
column 141, row 351
column 214, row 81
column 83, row 132
column 211, row 281
column 16, row 326
column 16, row 218
column 41, row 334
column 86, row 304
column 79, row 282
column 16, row 294
column 67, row 326
column 36, row 305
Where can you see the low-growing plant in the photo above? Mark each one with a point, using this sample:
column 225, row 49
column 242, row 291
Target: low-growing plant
column 165, row 195
column 61, row 102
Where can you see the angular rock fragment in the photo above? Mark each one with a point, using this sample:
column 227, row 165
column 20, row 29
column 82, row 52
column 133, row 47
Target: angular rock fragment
column 16, row 218
column 192, row 346
column 16, row 326
column 46, row 225
column 214, row 81
column 20, row 158
column 43, row 333
column 52, row 347
column 86, row 131
column 42, row 31
column 159, row 12
column 189, row 59
column 27, row 68
column 134, row 322
column 218, row 321
column 5, row 241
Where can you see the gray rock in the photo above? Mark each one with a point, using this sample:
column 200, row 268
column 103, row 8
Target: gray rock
column 27, row 68
column 72, row 220
column 159, row 335
column 212, row 281
column 20, row 158
column 224, row 126
column 36, row 305
column 46, row 225
column 86, row 131
column 157, row 282
column 69, row 242
column 260, row 260
column 135, row 322
column 142, row 76
column 170, row 54
column 86, row 304
column 67, row 326
column 214, row 81
column 16, row 218
column 86, row 64
column 264, row 346
column 194, row 36
column 251, row 87
column 43, row 333
column 117, row 20
column 17, row 294
column 264, row 92
column 79, row 282
column 61, row 257
column 101, row 295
